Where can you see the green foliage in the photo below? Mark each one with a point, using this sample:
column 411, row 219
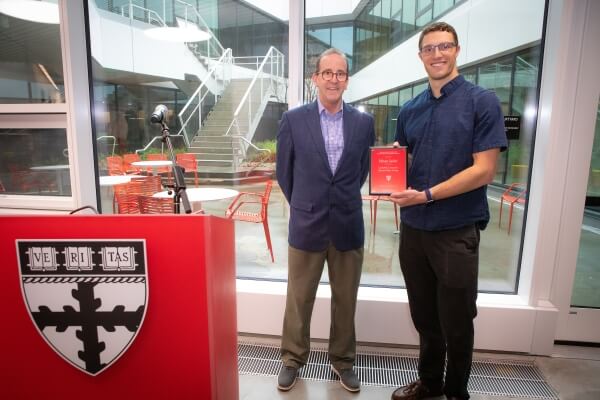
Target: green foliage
column 263, row 156
column 156, row 150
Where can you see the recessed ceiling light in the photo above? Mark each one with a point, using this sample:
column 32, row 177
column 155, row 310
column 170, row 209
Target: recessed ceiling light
column 177, row 34
column 30, row 10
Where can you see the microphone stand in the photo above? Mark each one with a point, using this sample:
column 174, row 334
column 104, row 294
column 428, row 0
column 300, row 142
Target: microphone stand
column 179, row 180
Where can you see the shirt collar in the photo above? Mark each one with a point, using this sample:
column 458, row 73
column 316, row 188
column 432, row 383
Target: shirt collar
column 449, row 87
column 327, row 113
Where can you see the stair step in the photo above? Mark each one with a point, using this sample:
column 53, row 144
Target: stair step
column 213, row 157
column 207, row 149
column 212, row 139
column 218, row 163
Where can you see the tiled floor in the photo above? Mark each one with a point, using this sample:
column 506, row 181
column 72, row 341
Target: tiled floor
column 571, row 371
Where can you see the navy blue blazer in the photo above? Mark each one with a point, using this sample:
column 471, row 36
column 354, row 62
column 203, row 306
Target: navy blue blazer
column 324, row 207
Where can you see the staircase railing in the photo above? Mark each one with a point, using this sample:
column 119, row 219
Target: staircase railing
column 267, row 81
column 143, row 14
column 200, row 103
column 210, row 49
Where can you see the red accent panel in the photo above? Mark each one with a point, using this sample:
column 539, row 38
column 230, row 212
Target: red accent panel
column 187, row 344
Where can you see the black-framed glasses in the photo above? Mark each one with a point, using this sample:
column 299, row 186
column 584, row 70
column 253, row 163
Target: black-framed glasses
column 444, row 47
column 327, row 75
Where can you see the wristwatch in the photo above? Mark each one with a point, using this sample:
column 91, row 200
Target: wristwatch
column 428, row 195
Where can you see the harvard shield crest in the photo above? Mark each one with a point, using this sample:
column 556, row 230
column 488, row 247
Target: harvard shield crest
column 87, row 298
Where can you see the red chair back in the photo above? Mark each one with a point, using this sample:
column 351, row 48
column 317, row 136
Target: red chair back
column 155, row 205
column 115, row 166
column 130, row 158
column 189, row 162
column 241, row 209
column 158, row 157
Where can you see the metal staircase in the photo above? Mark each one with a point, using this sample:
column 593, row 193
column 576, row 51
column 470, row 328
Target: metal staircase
column 225, row 134
column 221, row 116
column 215, row 151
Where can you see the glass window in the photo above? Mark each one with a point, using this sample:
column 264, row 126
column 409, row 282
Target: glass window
column 405, row 95
column 441, row 6
column 586, row 283
column 418, row 88
column 324, row 34
column 341, row 38
column 202, row 95
column 34, row 155
column 408, row 17
column 31, row 68
column 34, row 161
column 512, row 75
column 497, row 76
column 424, row 9
column 523, row 105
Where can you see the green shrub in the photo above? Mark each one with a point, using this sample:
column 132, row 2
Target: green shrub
column 263, row 156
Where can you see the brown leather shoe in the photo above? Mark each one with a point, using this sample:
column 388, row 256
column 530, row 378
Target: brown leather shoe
column 415, row 391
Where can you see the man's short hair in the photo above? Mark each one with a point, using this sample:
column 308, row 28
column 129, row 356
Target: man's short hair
column 330, row 52
column 438, row 27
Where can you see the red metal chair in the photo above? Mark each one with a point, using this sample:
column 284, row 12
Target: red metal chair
column 155, row 205
column 115, row 165
column 127, row 203
column 130, row 158
column 237, row 210
column 126, row 196
column 515, row 194
column 159, row 170
column 150, row 184
column 373, row 209
column 189, row 162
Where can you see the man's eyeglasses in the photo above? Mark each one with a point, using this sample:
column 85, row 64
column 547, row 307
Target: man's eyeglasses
column 444, row 47
column 328, row 75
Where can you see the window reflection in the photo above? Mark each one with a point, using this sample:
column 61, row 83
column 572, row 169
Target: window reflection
column 30, row 62
column 34, row 162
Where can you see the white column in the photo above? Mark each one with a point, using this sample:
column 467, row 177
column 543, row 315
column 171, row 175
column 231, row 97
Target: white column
column 296, row 53
column 77, row 88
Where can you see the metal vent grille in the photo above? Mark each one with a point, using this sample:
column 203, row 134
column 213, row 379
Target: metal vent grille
column 491, row 377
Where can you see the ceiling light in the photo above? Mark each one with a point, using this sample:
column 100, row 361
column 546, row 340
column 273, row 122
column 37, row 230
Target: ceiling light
column 177, row 34
column 30, row 10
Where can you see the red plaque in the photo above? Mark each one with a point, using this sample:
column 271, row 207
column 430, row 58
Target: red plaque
column 388, row 170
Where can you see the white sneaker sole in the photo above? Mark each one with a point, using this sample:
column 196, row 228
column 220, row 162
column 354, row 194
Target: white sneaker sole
column 353, row 390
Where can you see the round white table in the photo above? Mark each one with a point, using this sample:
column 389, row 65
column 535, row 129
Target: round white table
column 197, row 195
column 62, row 170
column 203, row 194
column 154, row 164
column 111, row 180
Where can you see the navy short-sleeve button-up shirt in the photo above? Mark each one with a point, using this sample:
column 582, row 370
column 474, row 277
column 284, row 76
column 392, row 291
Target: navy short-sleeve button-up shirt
column 442, row 134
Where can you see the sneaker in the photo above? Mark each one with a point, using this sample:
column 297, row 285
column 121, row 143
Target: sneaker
column 287, row 378
column 415, row 391
column 348, row 379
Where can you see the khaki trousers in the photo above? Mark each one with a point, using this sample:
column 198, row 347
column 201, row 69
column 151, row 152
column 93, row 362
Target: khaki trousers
column 304, row 272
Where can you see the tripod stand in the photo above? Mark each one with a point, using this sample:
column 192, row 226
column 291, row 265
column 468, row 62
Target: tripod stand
column 178, row 186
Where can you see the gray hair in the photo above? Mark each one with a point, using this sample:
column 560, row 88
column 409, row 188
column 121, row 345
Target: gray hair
column 329, row 52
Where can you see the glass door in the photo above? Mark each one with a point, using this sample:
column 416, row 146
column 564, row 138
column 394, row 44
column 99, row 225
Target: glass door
column 581, row 323
column 577, row 282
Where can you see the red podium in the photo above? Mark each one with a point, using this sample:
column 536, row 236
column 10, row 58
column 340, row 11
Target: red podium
column 185, row 346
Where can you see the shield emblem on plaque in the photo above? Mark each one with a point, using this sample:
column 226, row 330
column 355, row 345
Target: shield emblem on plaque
column 87, row 298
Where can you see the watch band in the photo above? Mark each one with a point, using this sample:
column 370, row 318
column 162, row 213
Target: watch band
column 428, row 196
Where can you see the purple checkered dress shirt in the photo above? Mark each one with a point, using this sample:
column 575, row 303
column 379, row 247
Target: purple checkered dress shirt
column 332, row 128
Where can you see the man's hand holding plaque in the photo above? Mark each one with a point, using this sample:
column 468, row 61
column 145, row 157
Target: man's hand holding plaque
column 388, row 170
